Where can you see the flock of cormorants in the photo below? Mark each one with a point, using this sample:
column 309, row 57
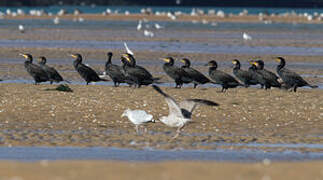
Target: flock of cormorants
column 136, row 76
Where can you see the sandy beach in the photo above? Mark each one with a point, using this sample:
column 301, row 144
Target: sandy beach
column 34, row 115
column 165, row 170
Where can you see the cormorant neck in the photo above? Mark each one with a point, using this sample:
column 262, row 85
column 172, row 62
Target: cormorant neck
column 281, row 65
column 212, row 68
column 237, row 66
column 171, row 63
column 77, row 61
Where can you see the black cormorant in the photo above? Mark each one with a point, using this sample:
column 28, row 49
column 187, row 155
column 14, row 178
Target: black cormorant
column 255, row 75
column 244, row 76
column 53, row 75
column 290, row 78
column 114, row 71
column 222, row 78
column 136, row 74
column 270, row 79
column 196, row 76
column 34, row 70
column 88, row 74
column 178, row 74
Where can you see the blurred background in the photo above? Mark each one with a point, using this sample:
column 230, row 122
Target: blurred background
column 223, row 3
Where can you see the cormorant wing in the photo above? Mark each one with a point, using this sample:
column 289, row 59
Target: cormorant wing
column 173, row 107
column 88, row 70
column 226, row 77
column 38, row 71
column 196, row 75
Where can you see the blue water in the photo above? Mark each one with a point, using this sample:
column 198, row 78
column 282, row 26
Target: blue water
column 176, row 47
column 102, row 153
column 136, row 9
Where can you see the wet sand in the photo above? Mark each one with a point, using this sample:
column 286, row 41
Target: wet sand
column 90, row 116
column 164, row 170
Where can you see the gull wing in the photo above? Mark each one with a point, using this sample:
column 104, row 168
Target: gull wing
column 127, row 49
column 189, row 105
column 173, row 107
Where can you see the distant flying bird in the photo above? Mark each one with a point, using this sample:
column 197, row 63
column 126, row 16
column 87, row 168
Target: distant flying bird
column 246, row 36
column 138, row 117
column 21, row 28
column 127, row 49
column 180, row 113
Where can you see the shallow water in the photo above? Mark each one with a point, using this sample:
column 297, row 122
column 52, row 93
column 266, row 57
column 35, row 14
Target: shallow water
column 102, row 153
column 185, row 9
column 179, row 47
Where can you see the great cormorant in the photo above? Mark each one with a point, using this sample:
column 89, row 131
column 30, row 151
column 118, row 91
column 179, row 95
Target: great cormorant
column 136, row 74
column 270, row 78
column 178, row 74
column 290, row 78
column 222, row 78
column 196, row 76
column 53, row 75
column 114, row 71
column 244, row 76
column 88, row 74
column 34, row 70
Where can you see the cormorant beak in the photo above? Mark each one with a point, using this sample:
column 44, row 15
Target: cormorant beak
column 24, row 55
column 255, row 63
column 234, row 62
column 73, row 55
column 165, row 59
column 39, row 59
column 126, row 56
column 183, row 61
column 277, row 59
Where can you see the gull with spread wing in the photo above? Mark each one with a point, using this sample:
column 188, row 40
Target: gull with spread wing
column 180, row 113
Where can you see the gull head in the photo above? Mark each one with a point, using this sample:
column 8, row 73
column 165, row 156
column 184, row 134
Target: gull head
column 125, row 113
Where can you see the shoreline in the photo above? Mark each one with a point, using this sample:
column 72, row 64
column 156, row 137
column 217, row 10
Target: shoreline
column 181, row 18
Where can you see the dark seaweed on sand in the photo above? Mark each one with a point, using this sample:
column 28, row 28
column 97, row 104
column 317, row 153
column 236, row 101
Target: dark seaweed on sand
column 61, row 87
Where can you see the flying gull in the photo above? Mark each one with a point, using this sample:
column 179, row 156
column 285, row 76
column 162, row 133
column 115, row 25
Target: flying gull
column 180, row 114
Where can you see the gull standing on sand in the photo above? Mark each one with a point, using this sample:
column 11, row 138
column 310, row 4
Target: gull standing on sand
column 21, row 28
column 157, row 26
column 246, row 37
column 138, row 117
column 180, row 114
column 139, row 26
